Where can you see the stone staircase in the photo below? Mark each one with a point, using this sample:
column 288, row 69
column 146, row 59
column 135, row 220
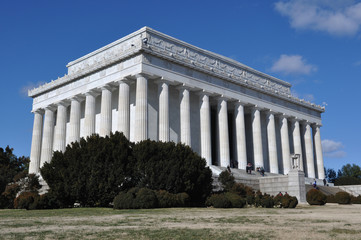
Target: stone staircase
column 325, row 189
column 252, row 180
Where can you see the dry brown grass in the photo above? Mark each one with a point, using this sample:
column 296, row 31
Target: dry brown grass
column 331, row 221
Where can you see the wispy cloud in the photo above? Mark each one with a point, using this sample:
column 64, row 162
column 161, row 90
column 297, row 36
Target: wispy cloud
column 30, row 85
column 336, row 17
column 292, row 64
column 333, row 149
column 358, row 63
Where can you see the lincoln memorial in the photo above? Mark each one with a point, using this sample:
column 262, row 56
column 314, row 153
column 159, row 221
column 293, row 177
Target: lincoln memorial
column 149, row 85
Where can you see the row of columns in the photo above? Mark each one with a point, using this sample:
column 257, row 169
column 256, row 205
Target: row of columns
column 42, row 145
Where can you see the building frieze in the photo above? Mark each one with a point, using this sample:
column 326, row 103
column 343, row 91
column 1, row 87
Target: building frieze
column 158, row 44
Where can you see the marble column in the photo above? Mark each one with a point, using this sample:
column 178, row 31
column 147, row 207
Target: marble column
column 48, row 134
column 297, row 140
column 74, row 125
column 224, row 153
column 185, row 118
column 257, row 137
column 205, row 125
column 36, row 142
column 123, row 108
column 141, row 109
column 272, row 145
column 60, row 128
column 163, row 111
column 285, row 143
column 89, row 116
column 319, row 156
column 106, row 112
column 309, row 150
column 240, row 135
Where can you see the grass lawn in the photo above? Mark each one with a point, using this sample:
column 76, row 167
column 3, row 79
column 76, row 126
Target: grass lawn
column 305, row 222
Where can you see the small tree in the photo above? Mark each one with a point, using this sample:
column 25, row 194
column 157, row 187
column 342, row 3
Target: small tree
column 227, row 180
column 316, row 197
column 92, row 171
column 174, row 168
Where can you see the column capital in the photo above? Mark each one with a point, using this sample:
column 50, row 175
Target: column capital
column 204, row 92
column 106, row 87
column 222, row 97
column 184, row 86
column 305, row 123
column 92, row 92
column 271, row 112
column 39, row 111
column 164, row 80
column 138, row 75
column 127, row 79
column 316, row 125
column 238, row 102
column 51, row 107
column 295, row 119
column 283, row 115
column 64, row 103
column 77, row 98
column 256, row 107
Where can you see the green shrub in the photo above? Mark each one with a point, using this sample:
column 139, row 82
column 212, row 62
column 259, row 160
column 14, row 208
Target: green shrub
column 315, row 197
column 242, row 190
column 289, row 201
column 136, row 198
column 250, row 199
column 226, row 179
column 331, row 199
column 47, row 201
column 267, row 201
column 175, row 168
column 124, row 200
column 347, row 180
column 26, row 200
column 218, row 201
column 343, row 198
column 166, row 199
column 277, row 201
column 146, row 198
column 236, row 200
column 257, row 199
column 356, row 200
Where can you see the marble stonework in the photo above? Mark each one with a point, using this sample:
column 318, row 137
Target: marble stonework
column 150, row 85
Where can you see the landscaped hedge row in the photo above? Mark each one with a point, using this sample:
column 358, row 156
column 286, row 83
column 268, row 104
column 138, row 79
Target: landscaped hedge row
column 139, row 198
column 316, row 197
column 237, row 195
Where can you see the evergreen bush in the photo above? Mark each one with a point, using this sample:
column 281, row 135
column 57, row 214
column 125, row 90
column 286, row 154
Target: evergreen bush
column 289, row 201
column 166, row 199
column 331, row 199
column 343, row 198
column 347, row 180
column 226, row 179
column 267, row 201
column 236, row 200
column 315, row 197
column 26, row 200
column 356, row 200
column 218, row 201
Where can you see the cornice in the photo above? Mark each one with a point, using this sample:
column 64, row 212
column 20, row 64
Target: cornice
column 161, row 45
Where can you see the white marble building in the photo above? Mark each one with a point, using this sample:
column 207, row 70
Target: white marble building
column 150, row 85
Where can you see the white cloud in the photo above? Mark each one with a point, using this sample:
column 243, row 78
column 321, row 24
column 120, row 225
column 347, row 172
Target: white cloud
column 309, row 97
column 29, row 86
column 292, row 64
column 333, row 149
column 358, row 63
column 337, row 17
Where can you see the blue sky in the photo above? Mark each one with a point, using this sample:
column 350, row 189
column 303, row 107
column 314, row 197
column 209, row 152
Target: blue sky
column 313, row 44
